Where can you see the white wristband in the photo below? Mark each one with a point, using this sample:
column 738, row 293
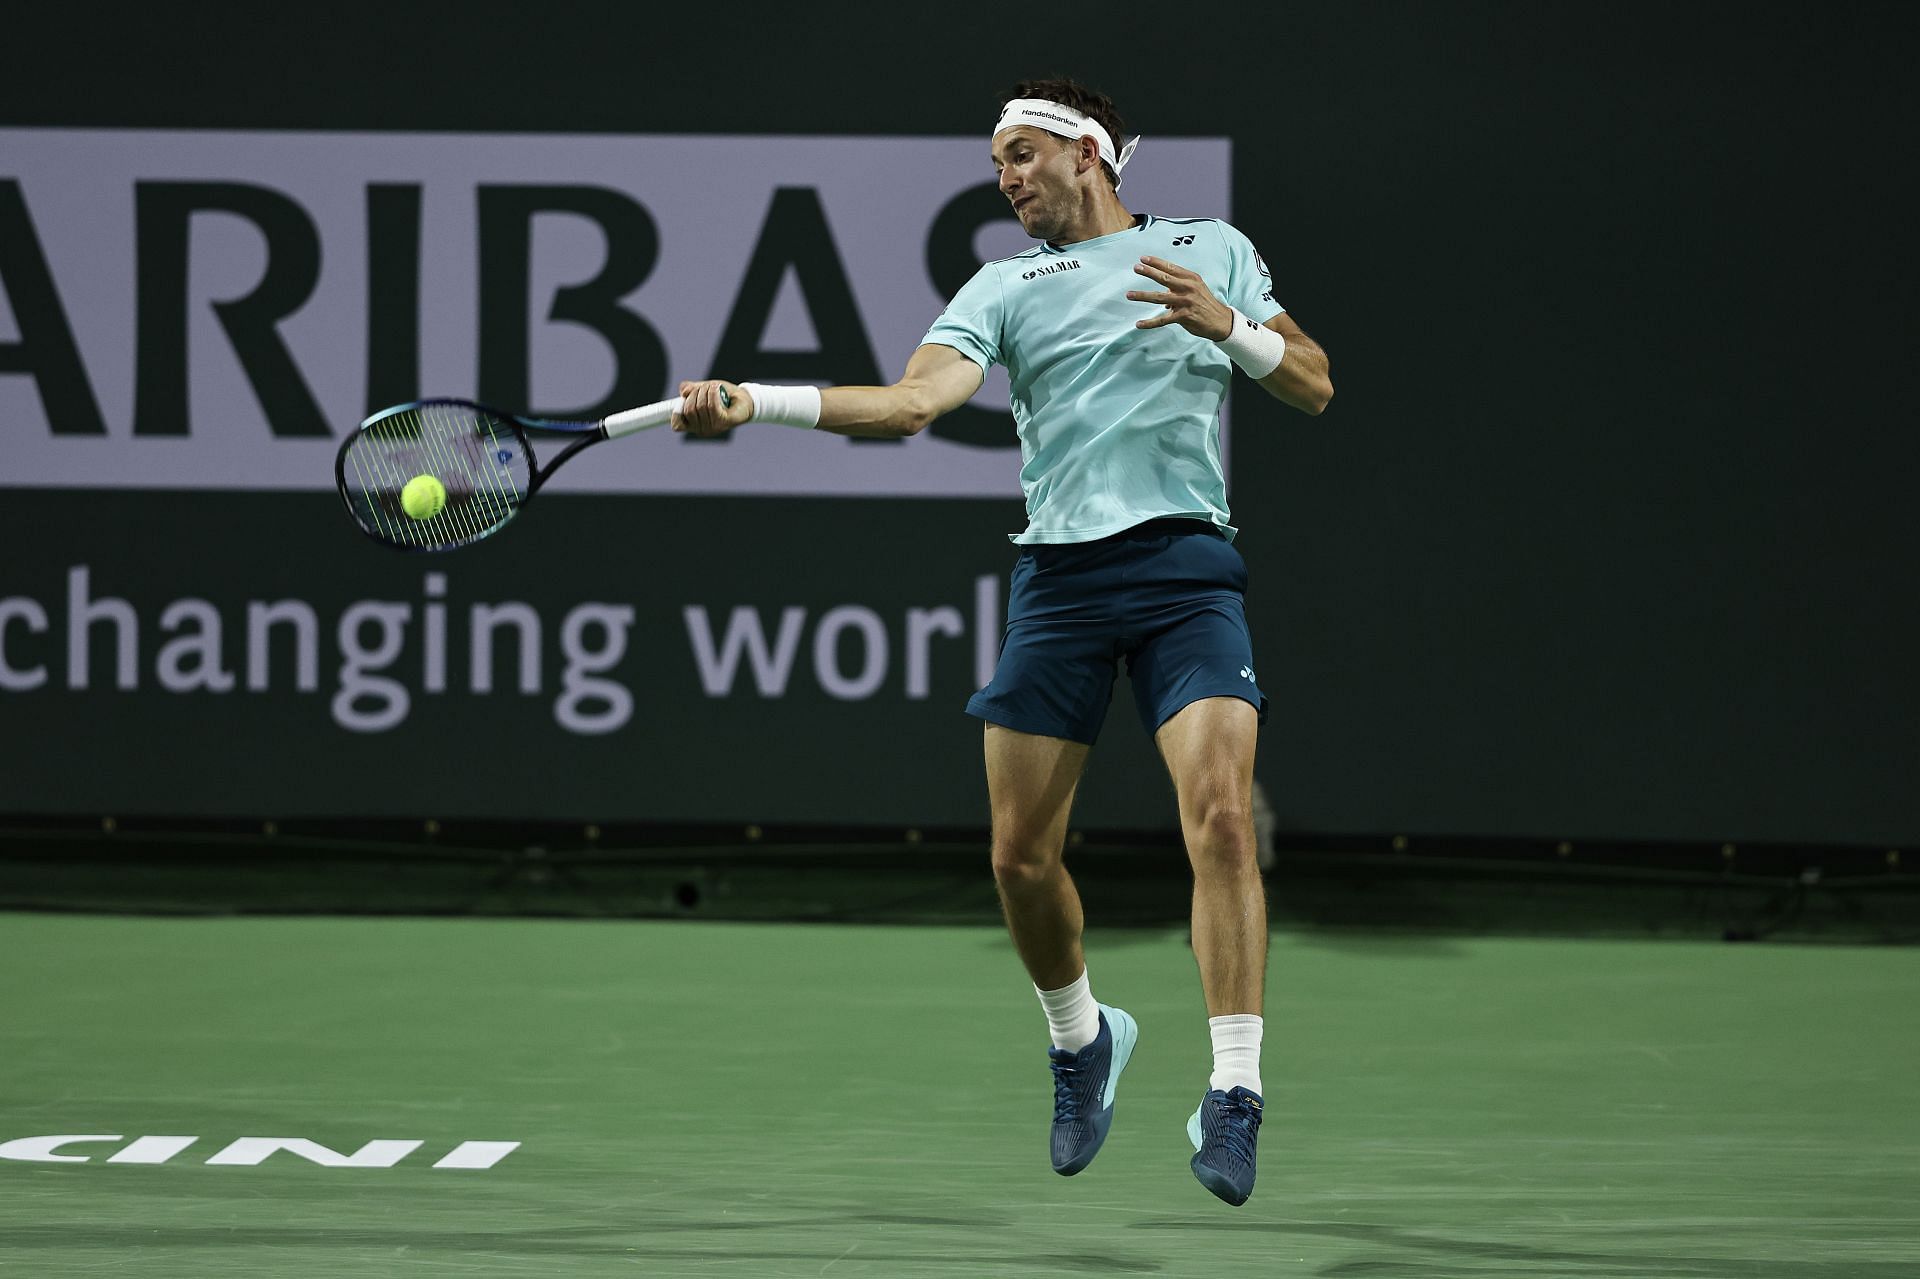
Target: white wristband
column 785, row 405
column 1256, row 348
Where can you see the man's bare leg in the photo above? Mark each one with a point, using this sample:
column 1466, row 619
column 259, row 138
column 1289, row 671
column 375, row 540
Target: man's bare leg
column 1030, row 782
column 1030, row 785
column 1209, row 747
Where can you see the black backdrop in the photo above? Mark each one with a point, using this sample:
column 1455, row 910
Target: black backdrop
column 1608, row 531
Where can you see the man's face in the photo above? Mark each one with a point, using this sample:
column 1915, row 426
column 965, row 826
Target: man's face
column 1037, row 176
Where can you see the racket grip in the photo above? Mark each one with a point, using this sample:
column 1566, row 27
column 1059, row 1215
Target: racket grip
column 647, row 415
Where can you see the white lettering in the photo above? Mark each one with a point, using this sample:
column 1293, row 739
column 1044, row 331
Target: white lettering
column 35, row 617
column 433, row 677
column 306, row 643
column 251, row 1151
column 390, row 697
column 40, row 1150
column 826, row 652
column 614, row 620
column 477, row 1154
column 151, row 1150
column 771, row 669
column 202, row 644
column 82, row 614
column 376, row 682
column 248, row 1151
column 483, row 620
column 922, row 625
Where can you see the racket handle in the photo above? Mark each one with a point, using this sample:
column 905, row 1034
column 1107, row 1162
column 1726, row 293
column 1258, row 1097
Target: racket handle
column 648, row 415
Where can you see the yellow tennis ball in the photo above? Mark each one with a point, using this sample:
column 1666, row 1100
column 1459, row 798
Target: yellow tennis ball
column 424, row 497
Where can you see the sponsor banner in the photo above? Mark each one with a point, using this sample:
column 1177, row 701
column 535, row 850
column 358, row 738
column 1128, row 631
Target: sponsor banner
column 609, row 658
column 189, row 309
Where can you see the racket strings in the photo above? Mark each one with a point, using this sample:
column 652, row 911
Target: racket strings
column 481, row 462
column 449, row 452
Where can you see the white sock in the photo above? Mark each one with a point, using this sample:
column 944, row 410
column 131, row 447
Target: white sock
column 1236, row 1052
column 1072, row 1016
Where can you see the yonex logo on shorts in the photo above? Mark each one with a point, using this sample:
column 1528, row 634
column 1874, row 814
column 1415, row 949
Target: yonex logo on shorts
column 1246, row 673
column 1070, row 265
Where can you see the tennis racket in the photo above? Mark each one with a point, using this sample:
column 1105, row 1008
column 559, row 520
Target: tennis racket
column 482, row 459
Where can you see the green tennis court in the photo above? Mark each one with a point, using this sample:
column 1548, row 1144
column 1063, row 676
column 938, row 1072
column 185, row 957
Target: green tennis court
column 773, row 1100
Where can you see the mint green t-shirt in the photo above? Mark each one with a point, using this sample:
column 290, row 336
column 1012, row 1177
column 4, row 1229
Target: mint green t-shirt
column 1117, row 425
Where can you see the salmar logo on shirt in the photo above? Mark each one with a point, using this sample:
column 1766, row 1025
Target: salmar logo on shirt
column 1071, row 264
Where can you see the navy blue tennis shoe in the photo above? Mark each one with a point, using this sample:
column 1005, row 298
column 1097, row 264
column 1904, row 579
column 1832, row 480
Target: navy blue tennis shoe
column 1223, row 1132
column 1083, row 1087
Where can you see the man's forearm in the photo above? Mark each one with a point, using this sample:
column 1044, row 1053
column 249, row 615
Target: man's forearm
column 872, row 412
column 1301, row 381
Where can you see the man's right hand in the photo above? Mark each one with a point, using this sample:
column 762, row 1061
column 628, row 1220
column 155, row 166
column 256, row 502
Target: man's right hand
column 704, row 415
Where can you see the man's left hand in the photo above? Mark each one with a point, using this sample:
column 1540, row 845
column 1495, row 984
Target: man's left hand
column 1189, row 302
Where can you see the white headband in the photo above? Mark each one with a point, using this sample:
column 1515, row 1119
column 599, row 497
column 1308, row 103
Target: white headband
column 1063, row 121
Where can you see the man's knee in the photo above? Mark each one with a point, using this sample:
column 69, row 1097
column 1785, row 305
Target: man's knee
column 1023, row 860
column 1219, row 832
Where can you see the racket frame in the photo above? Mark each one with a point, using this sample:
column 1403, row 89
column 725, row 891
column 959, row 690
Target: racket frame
column 588, row 433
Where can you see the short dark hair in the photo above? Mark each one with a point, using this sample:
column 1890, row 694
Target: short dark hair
column 1089, row 102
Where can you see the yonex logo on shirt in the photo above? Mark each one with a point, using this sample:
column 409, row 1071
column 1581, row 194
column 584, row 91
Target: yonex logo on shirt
column 1185, row 239
column 1072, row 264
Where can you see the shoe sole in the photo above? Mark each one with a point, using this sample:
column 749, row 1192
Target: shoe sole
column 1222, row 1189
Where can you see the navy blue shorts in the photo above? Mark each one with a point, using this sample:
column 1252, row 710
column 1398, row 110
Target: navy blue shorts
column 1167, row 595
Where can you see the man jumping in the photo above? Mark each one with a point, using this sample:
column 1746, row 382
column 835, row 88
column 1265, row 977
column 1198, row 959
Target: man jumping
column 1120, row 333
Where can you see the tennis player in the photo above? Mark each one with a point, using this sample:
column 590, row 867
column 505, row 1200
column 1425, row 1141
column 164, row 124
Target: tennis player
column 1121, row 333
